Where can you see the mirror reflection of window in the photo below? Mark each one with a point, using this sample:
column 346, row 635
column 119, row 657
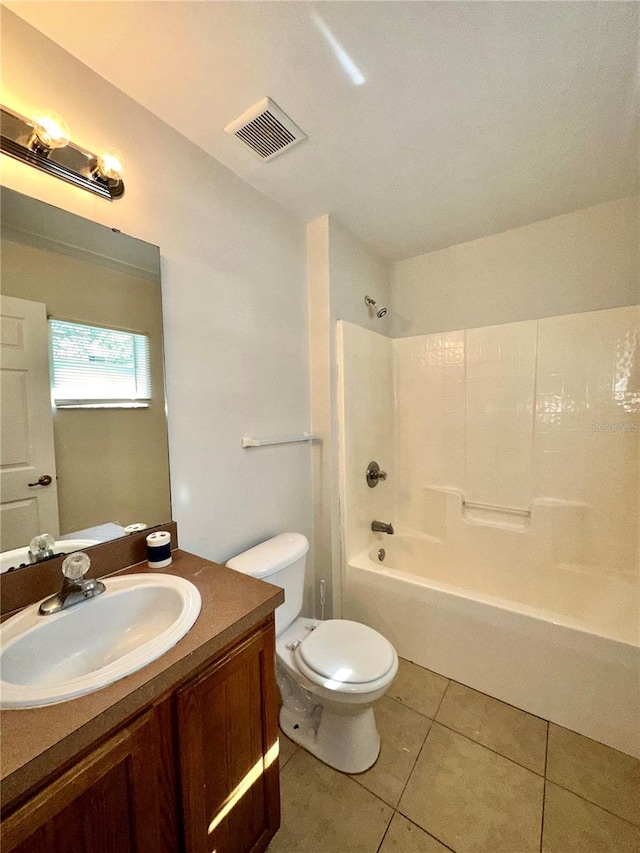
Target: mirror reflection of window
column 95, row 367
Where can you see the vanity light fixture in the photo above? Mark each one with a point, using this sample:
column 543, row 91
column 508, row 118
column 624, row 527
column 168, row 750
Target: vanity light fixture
column 50, row 131
column 43, row 141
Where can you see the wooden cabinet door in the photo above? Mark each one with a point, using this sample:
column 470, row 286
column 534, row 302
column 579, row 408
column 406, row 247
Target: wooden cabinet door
column 106, row 803
column 228, row 750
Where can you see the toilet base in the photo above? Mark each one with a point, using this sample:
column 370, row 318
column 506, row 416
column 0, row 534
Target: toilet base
column 347, row 741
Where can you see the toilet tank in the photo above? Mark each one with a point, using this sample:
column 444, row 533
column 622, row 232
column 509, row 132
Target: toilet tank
column 280, row 561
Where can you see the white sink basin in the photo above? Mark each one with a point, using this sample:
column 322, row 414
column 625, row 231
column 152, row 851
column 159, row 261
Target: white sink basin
column 20, row 556
column 49, row 659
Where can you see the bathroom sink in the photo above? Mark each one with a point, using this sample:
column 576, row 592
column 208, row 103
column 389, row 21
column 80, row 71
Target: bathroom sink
column 20, row 556
column 50, row 659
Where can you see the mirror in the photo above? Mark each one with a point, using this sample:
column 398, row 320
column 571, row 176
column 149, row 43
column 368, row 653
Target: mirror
column 91, row 464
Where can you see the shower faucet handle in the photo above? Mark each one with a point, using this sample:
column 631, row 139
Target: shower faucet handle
column 374, row 474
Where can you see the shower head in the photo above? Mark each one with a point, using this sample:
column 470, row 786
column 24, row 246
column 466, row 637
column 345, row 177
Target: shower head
column 371, row 303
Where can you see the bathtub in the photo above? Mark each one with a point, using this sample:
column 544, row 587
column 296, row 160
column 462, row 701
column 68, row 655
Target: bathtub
column 560, row 642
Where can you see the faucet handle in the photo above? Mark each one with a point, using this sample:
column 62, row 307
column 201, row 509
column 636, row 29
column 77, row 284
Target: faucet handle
column 374, row 474
column 41, row 547
column 76, row 565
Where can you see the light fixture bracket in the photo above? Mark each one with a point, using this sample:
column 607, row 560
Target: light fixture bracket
column 71, row 163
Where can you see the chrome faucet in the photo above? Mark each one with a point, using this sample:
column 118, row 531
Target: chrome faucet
column 74, row 588
column 381, row 527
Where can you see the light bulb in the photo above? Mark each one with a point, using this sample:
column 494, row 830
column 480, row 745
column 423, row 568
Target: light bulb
column 109, row 165
column 50, row 130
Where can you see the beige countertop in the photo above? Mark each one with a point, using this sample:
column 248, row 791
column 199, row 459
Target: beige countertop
column 35, row 742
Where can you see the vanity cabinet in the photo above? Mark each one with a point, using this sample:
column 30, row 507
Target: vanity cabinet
column 103, row 803
column 195, row 772
column 228, row 749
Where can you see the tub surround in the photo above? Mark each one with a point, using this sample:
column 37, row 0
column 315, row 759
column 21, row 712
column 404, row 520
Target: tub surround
column 525, row 412
column 538, row 413
column 512, row 459
column 37, row 742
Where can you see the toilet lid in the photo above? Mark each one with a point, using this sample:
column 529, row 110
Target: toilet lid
column 346, row 651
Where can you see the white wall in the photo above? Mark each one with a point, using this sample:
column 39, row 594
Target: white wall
column 234, row 294
column 583, row 261
column 341, row 271
column 356, row 271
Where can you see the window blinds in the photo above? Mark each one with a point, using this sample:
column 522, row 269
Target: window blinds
column 95, row 367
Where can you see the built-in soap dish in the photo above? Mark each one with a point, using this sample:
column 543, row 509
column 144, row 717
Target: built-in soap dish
column 507, row 518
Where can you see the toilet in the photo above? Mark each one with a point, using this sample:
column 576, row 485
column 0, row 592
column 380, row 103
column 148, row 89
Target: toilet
column 329, row 672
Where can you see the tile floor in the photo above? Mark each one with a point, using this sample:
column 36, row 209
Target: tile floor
column 459, row 771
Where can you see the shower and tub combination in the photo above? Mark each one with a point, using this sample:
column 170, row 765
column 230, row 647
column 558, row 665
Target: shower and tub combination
column 513, row 472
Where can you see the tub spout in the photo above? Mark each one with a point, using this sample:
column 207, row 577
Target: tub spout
column 381, row 527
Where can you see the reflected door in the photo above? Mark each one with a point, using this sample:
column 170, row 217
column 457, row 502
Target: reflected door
column 26, row 425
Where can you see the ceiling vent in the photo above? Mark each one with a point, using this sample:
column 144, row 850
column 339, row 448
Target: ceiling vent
column 266, row 129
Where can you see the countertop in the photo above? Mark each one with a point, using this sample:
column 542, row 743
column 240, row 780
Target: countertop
column 34, row 742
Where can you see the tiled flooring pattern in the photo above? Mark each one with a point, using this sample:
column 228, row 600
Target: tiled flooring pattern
column 459, row 771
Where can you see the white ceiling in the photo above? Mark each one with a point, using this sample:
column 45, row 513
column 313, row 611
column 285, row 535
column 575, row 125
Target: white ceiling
column 473, row 118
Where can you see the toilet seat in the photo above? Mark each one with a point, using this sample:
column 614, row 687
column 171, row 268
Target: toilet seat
column 345, row 656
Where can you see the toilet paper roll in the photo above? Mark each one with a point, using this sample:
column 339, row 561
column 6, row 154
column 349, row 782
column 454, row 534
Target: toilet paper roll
column 159, row 549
